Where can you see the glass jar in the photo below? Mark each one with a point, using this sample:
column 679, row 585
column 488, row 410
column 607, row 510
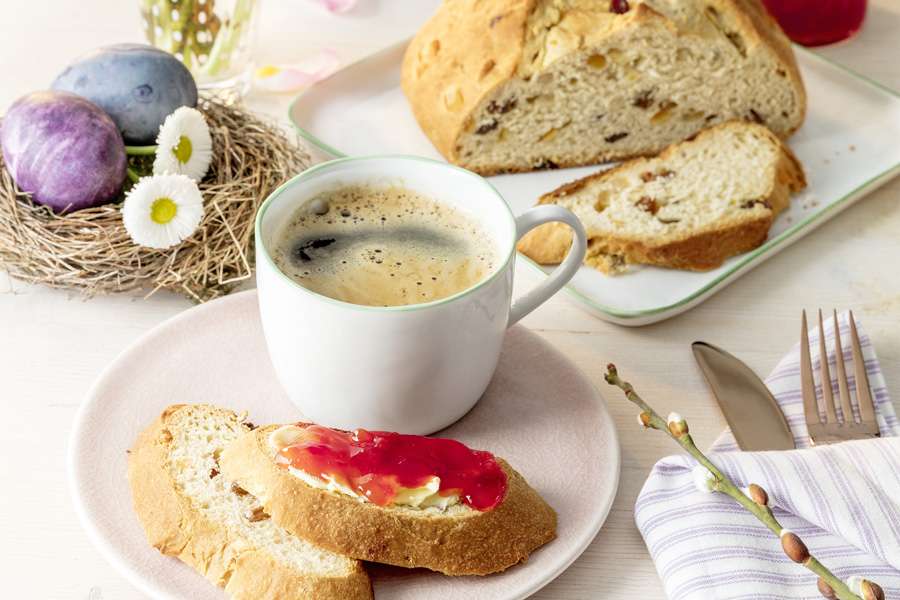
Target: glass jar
column 213, row 38
column 818, row 22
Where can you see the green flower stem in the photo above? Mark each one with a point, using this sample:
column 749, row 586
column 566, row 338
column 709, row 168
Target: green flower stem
column 132, row 175
column 722, row 483
column 228, row 38
column 163, row 21
column 141, row 150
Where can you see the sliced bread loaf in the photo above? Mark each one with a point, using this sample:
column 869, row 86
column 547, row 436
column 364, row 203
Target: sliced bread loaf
column 503, row 86
column 693, row 206
column 191, row 511
column 455, row 540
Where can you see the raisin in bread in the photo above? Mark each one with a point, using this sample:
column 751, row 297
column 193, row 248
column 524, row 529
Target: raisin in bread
column 516, row 85
column 693, row 206
column 189, row 510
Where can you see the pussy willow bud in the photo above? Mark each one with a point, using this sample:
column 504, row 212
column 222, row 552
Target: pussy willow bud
column 704, row 481
column 677, row 425
column 644, row 419
column 794, row 547
column 864, row 588
column 871, row 590
column 826, row 590
column 758, row 495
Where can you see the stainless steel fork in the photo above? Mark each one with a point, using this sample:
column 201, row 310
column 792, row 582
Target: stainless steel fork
column 829, row 427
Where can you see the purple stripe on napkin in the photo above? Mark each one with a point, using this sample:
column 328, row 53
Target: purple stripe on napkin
column 842, row 499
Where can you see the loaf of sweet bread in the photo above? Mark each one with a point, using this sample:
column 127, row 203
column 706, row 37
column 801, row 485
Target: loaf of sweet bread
column 516, row 85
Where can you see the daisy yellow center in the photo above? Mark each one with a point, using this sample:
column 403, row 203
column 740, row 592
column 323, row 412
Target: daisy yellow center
column 163, row 210
column 183, row 149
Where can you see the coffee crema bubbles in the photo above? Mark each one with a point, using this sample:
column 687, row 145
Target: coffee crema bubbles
column 383, row 246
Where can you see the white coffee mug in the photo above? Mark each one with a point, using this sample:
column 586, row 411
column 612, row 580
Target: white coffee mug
column 417, row 368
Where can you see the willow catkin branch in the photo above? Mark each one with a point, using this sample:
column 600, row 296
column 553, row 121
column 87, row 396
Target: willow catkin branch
column 792, row 545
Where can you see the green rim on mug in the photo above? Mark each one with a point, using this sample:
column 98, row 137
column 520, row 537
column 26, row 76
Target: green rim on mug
column 260, row 215
column 746, row 260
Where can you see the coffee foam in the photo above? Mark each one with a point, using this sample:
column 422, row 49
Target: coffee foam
column 383, row 246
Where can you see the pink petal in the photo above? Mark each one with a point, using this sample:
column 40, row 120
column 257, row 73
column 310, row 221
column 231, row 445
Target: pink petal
column 289, row 78
column 338, row 6
column 286, row 79
column 329, row 61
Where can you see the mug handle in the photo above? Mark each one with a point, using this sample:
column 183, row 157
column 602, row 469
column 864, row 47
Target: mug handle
column 564, row 272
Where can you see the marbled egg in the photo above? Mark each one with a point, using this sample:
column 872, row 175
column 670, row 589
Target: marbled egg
column 136, row 84
column 64, row 150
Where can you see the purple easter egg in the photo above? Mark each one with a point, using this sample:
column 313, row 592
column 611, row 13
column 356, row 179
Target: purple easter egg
column 64, row 150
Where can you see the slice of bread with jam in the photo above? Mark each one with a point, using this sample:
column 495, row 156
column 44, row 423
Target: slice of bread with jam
column 322, row 486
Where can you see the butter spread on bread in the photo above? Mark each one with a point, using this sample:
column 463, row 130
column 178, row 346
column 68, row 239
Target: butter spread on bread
column 517, row 85
column 422, row 492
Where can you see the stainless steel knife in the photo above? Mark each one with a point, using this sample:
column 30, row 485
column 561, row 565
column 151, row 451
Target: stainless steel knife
column 753, row 415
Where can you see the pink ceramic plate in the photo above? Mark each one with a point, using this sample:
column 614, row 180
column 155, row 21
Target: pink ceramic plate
column 539, row 412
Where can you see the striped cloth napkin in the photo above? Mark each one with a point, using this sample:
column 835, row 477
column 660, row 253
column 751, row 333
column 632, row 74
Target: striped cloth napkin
column 843, row 500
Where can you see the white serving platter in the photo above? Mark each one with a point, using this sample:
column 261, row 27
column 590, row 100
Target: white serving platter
column 848, row 146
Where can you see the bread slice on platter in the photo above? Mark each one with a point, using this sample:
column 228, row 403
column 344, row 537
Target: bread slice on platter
column 696, row 204
column 455, row 540
column 516, row 85
column 189, row 510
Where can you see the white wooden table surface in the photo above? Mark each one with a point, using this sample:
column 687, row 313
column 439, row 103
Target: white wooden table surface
column 53, row 344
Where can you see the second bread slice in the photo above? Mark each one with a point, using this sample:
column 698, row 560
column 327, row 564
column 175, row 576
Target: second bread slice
column 696, row 204
column 191, row 511
column 457, row 541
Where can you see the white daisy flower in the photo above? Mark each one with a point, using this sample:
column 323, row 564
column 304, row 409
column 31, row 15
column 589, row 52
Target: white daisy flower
column 185, row 145
column 162, row 210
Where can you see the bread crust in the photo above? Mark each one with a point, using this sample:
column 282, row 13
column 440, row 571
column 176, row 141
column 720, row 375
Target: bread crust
column 550, row 243
column 469, row 48
column 693, row 254
column 756, row 21
column 175, row 528
column 486, row 38
column 474, row 543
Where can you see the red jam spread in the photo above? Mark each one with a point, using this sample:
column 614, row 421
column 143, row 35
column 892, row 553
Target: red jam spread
column 377, row 464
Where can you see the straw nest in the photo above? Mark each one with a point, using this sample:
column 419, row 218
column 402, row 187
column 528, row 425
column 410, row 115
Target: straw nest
column 90, row 250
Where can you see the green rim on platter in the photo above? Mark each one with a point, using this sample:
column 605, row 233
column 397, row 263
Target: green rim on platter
column 746, row 260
